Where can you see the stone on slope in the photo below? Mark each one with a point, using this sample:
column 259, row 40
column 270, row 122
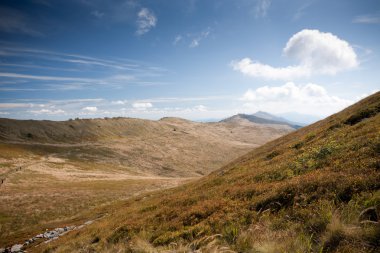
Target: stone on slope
column 16, row 248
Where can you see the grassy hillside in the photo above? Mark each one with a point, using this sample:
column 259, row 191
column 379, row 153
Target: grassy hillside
column 58, row 173
column 303, row 192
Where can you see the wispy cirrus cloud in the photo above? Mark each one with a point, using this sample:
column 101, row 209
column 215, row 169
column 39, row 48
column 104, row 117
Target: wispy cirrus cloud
column 44, row 78
column 175, row 100
column 19, row 64
column 192, row 39
column 97, row 14
column 262, row 7
column 36, row 66
column 177, row 39
column 122, row 64
column 14, row 105
column 302, row 10
column 146, row 20
column 367, row 19
column 197, row 39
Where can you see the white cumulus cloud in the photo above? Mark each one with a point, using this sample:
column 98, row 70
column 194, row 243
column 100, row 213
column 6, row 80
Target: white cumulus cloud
column 316, row 53
column 200, row 108
column 48, row 111
column 119, row 102
column 308, row 99
column 146, row 20
column 91, row 109
column 257, row 69
column 142, row 105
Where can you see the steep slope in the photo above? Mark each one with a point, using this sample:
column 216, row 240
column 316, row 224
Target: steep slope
column 262, row 118
column 304, row 192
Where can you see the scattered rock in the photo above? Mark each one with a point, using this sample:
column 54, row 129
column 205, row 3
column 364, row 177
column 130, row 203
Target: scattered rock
column 70, row 228
column 59, row 230
column 88, row 222
column 369, row 214
column 51, row 234
column 17, row 248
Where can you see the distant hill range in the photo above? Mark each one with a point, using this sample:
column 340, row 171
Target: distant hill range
column 142, row 146
column 261, row 117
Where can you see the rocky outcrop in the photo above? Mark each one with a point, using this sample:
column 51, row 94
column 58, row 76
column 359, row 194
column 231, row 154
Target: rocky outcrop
column 45, row 237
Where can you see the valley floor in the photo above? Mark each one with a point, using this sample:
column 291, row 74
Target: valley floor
column 45, row 192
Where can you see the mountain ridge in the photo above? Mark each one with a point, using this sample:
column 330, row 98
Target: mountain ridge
column 261, row 117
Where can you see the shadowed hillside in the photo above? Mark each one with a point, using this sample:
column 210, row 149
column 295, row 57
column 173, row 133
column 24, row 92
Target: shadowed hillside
column 314, row 190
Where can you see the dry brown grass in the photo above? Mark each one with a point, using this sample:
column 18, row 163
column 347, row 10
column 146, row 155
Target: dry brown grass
column 169, row 147
column 32, row 202
column 300, row 193
column 71, row 170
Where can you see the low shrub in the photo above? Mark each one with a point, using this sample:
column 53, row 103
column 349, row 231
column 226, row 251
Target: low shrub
column 361, row 115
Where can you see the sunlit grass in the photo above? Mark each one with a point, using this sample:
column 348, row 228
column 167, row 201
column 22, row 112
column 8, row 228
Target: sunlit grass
column 300, row 193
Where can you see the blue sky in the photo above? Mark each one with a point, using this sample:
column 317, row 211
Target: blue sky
column 186, row 58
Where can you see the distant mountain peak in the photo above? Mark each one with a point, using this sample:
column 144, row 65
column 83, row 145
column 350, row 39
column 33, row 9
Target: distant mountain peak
column 261, row 117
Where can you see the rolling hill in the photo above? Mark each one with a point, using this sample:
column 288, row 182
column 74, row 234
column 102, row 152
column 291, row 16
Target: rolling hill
column 169, row 147
column 55, row 173
column 313, row 190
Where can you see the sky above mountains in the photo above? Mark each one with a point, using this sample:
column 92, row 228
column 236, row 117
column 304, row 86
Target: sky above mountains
column 188, row 58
